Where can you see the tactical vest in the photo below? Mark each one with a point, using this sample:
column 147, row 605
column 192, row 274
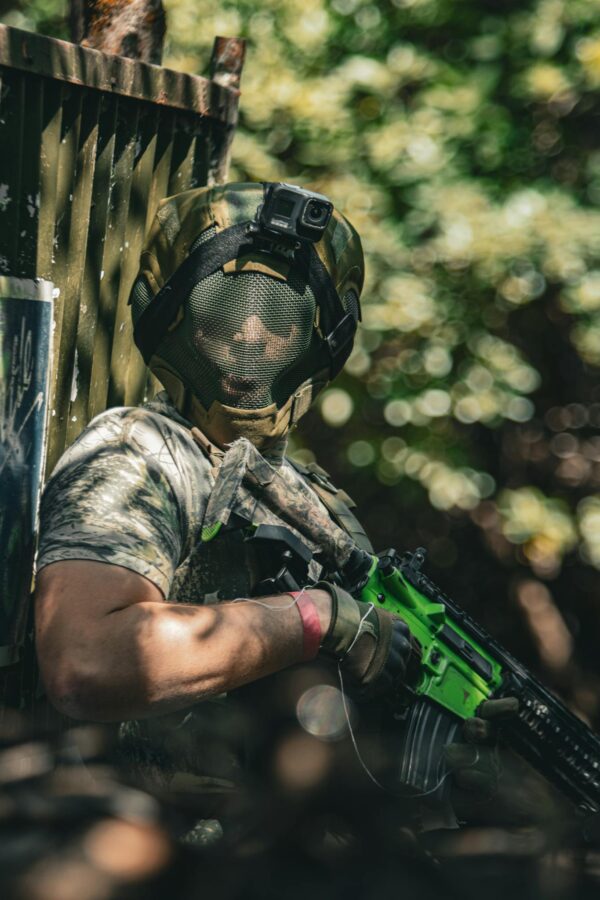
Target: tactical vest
column 337, row 502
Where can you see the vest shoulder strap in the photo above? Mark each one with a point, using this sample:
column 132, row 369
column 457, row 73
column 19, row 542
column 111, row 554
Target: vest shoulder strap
column 337, row 502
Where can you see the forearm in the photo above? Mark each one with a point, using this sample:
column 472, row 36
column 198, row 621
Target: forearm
column 153, row 657
column 167, row 656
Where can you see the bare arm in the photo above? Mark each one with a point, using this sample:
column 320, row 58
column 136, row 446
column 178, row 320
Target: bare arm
column 110, row 647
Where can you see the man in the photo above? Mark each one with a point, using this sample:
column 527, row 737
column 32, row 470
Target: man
column 243, row 326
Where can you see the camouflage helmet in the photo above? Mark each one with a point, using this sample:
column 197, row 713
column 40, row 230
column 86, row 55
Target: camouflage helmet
column 251, row 333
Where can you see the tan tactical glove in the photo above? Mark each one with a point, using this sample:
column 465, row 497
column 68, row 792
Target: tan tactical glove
column 374, row 648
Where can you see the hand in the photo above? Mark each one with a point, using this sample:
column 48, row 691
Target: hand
column 494, row 785
column 374, row 648
column 475, row 762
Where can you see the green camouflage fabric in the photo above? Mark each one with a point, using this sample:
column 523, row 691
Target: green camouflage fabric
column 133, row 491
column 260, row 487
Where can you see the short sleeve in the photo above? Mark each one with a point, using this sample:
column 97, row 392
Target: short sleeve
column 113, row 498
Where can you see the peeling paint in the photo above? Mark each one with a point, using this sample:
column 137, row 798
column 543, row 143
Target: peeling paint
column 4, row 197
column 74, row 385
column 33, row 204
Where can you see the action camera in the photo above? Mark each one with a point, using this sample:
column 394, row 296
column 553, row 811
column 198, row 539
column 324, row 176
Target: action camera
column 294, row 212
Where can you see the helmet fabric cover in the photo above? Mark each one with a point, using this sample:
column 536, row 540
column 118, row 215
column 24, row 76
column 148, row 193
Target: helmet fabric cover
column 245, row 356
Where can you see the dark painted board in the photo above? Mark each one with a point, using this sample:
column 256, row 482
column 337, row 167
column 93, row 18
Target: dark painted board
column 141, row 199
column 12, row 95
column 94, row 271
column 63, row 159
column 25, row 338
column 29, row 196
column 126, row 142
column 69, row 270
column 51, row 134
column 137, row 374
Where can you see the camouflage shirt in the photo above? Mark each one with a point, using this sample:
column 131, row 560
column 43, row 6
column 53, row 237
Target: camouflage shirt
column 133, row 490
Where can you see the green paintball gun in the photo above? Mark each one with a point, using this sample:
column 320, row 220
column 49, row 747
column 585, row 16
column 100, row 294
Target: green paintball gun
column 462, row 666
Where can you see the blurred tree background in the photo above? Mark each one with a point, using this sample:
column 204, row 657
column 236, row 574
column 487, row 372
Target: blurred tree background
column 461, row 140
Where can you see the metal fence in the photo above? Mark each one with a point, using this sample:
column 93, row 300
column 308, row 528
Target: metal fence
column 89, row 144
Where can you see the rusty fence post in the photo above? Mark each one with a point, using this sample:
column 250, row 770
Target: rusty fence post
column 131, row 28
column 226, row 64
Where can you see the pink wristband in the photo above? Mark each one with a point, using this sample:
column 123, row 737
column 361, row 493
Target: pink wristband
column 311, row 639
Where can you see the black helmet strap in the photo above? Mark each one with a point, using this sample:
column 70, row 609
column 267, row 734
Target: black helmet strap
column 337, row 325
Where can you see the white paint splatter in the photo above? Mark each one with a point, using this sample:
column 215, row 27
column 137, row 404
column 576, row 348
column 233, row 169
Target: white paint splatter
column 33, row 203
column 4, row 198
column 74, row 385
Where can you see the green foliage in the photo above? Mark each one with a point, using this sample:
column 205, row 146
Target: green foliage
column 45, row 16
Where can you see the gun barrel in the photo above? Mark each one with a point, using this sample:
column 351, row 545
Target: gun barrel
column 554, row 741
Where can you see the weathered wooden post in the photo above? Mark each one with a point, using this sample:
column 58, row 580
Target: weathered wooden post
column 226, row 64
column 131, row 28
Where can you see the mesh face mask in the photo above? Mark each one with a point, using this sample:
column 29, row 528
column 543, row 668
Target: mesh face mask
column 243, row 340
column 246, row 339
